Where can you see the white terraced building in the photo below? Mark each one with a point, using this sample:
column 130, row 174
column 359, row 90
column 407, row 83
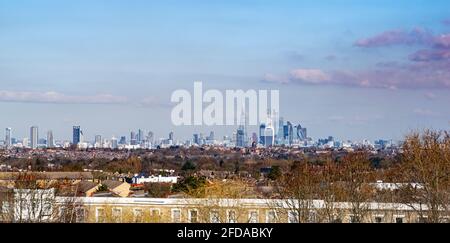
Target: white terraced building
column 152, row 210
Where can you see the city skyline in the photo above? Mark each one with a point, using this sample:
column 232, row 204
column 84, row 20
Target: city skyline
column 353, row 70
column 270, row 134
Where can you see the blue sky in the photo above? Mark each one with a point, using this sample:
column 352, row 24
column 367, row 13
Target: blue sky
column 352, row 69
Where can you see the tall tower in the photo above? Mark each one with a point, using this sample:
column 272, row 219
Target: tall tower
column 301, row 133
column 140, row 135
column 262, row 128
column 50, row 140
column 34, row 136
column 98, row 142
column 150, row 137
column 280, row 132
column 290, row 133
column 8, row 141
column 269, row 132
column 133, row 140
column 76, row 135
column 241, row 133
column 114, row 144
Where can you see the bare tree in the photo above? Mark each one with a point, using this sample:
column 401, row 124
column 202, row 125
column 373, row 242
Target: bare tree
column 220, row 201
column 297, row 191
column 426, row 169
column 330, row 191
column 356, row 174
column 33, row 200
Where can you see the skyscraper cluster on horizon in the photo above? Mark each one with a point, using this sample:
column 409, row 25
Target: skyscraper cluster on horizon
column 274, row 132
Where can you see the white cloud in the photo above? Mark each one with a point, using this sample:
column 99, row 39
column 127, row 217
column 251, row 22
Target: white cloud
column 153, row 102
column 425, row 112
column 310, row 75
column 59, row 98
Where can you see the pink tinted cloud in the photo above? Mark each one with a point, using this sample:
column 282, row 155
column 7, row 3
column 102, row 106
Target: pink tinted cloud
column 442, row 41
column 439, row 50
column 408, row 76
column 427, row 68
column 310, row 75
column 430, row 55
column 59, row 98
column 397, row 37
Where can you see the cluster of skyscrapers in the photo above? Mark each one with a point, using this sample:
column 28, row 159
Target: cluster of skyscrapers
column 272, row 133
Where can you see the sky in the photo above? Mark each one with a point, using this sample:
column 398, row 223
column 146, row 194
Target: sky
column 356, row 70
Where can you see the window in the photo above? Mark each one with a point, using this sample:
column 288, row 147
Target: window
column 354, row 219
column 138, row 215
column 155, row 214
column 100, row 215
column 422, row 219
column 176, row 215
column 293, row 217
column 5, row 207
column 378, row 219
column 117, row 215
column 193, row 216
column 271, row 217
column 231, row 216
column 47, row 210
column 62, row 214
column 80, row 215
column 312, row 217
column 337, row 221
column 399, row 220
column 444, row 219
column 253, row 217
column 215, row 217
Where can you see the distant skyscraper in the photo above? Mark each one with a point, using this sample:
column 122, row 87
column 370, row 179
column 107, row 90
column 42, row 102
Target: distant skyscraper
column 123, row 140
column 114, row 144
column 285, row 132
column 25, row 142
column 34, row 137
column 133, row 138
column 211, row 136
column 289, row 133
column 140, row 136
column 201, row 139
column 240, row 137
column 262, row 128
column 280, row 135
column 150, row 137
column 171, row 136
column 50, row 140
column 301, row 133
column 8, row 141
column 269, row 132
column 269, row 136
column 196, row 139
column 76, row 135
column 241, row 133
column 98, row 141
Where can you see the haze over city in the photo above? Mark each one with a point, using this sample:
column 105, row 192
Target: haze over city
column 350, row 69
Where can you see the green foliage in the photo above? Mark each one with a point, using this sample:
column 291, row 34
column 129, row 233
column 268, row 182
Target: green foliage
column 188, row 166
column 102, row 188
column 188, row 184
column 275, row 173
column 158, row 190
column 130, row 165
